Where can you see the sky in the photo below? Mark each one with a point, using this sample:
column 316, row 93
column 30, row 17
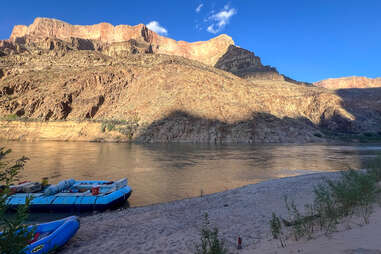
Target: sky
column 308, row 40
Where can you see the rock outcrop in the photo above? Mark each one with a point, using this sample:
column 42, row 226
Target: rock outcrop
column 120, row 40
column 349, row 82
column 247, row 65
column 207, row 52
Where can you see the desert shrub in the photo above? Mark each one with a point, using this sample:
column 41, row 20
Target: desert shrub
column 211, row 243
column 276, row 229
column 15, row 236
column 325, row 209
column 374, row 168
column 127, row 128
column 354, row 193
column 108, row 125
column 11, row 117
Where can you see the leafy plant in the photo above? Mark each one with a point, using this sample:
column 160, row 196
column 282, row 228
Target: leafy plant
column 15, row 235
column 210, row 241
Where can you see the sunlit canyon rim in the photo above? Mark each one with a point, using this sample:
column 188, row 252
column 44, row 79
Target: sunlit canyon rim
column 127, row 83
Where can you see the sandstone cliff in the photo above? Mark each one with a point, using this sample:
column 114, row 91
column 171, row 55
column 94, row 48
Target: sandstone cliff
column 207, row 52
column 166, row 99
column 349, row 82
column 129, row 92
column 120, row 40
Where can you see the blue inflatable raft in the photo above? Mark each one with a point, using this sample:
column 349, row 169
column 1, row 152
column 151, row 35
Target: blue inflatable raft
column 49, row 236
column 52, row 235
column 75, row 196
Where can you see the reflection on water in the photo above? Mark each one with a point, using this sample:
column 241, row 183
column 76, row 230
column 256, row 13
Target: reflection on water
column 160, row 173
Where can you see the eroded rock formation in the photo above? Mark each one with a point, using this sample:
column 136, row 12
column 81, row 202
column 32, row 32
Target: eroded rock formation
column 349, row 82
column 207, row 52
column 245, row 64
column 120, row 40
column 161, row 97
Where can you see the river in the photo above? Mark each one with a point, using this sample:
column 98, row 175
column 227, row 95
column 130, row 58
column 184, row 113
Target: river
column 160, row 173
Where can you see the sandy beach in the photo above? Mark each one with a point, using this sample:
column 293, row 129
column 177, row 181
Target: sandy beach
column 175, row 227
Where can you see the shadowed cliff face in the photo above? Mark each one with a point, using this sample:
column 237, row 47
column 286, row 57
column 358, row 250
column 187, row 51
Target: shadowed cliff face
column 245, row 64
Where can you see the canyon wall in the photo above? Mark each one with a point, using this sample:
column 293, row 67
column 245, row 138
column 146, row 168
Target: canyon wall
column 349, row 82
column 207, row 52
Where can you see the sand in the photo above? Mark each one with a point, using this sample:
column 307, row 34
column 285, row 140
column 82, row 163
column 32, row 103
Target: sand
column 175, row 227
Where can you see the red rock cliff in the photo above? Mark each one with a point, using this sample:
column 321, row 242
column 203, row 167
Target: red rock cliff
column 349, row 82
column 207, row 52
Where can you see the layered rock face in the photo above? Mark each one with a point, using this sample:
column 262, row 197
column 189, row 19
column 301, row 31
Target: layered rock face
column 207, row 52
column 163, row 99
column 152, row 97
column 245, row 64
column 349, row 82
column 120, row 40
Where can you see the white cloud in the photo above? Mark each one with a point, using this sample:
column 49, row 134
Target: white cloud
column 155, row 26
column 198, row 9
column 220, row 19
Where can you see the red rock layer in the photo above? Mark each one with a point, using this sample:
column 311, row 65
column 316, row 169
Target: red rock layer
column 349, row 82
column 207, row 52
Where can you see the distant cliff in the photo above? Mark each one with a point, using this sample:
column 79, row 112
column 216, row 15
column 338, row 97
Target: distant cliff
column 207, row 52
column 120, row 40
column 349, row 82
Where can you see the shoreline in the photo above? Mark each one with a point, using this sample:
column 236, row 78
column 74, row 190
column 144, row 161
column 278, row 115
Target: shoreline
column 95, row 131
column 174, row 227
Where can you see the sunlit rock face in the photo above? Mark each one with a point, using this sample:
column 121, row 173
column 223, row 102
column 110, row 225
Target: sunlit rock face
column 207, row 52
column 120, row 40
column 349, row 82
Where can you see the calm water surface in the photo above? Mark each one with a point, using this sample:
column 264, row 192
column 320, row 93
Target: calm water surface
column 160, row 173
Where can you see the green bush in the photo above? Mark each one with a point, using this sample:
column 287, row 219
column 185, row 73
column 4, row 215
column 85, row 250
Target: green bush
column 11, row 117
column 354, row 193
column 210, row 241
column 15, row 236
column 276, row 229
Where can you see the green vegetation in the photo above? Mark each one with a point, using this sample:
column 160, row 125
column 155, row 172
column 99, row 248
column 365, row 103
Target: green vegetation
column 14, row 237
column 210, row 241
column 127, row 128
column 366, row 137
column 355, row 193
column 13, row 117
column 276, row 230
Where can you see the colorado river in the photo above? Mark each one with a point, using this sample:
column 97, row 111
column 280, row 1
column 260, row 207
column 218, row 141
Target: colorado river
column 161, row 173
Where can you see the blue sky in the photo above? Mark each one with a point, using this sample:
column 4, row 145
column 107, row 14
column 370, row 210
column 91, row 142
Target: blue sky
column 306, row 40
